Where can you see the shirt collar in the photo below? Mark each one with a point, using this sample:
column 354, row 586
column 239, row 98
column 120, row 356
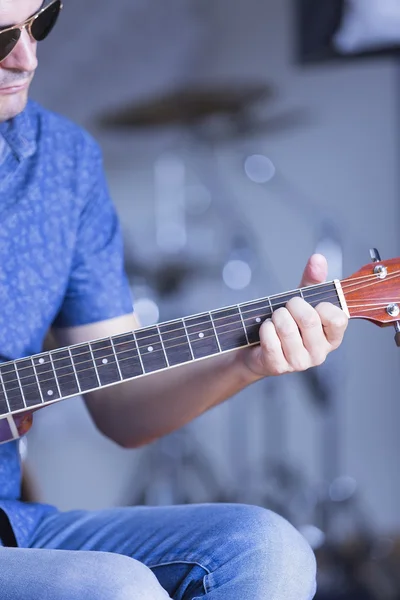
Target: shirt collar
column 19, row 134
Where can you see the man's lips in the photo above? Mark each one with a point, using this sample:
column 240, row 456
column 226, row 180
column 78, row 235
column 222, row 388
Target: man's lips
column 15, row 87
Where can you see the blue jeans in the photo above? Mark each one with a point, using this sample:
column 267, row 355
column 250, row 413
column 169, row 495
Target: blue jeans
column 210, row 551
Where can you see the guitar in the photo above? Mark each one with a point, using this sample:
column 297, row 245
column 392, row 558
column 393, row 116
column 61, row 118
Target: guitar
column 32, row 383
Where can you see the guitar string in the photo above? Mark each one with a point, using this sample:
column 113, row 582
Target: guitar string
column 320, row 291
column 177, row 345
column 186, row 320
column 365, row 285
column 180, row 323
column 372, row 307
column 139, row 347
column 83, row 379
column 211, row 318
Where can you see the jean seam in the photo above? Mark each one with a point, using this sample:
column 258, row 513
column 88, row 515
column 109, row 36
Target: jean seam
column 165, row 563
column 206, row 579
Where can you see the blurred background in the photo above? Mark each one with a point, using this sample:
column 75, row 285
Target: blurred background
column 240, row 136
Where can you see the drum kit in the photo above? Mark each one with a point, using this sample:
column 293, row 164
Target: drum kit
column 176, row 469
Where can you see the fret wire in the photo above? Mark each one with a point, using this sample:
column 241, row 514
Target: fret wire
column 92, row 389
column 162, row 344
column 46, row 380
column 5, row 392
column 243, row 323
column 37, row 379
column 215, row 331
column 270, row 304
column 188, row 338
column 301, row 293
column 326, row 286
column 74, row 369
column 55, row 375
column 138, row 351
column 116, row 358
column 94, row 363
column 113, row 348
column 20, row 385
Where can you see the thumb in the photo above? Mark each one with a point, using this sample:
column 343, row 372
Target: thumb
column 316, row 270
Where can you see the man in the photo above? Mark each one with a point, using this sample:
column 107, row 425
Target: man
column 61, row 267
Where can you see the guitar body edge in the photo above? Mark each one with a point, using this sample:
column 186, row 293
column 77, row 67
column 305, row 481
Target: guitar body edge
column 15, row 427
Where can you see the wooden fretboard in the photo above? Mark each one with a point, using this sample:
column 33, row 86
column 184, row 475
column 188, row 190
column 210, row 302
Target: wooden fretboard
column 30, row 383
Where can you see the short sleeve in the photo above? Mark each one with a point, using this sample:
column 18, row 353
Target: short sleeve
column 98, row 288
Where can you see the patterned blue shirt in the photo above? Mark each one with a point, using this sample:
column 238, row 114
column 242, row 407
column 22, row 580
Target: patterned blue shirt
column 61, row 257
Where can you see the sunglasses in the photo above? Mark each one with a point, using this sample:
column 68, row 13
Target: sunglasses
column 38, row 27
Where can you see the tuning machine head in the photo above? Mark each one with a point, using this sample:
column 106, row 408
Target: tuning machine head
column 392, row 309
column 397, row 334
column 374, row 254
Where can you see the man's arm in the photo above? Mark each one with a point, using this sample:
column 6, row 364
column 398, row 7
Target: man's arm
column 139, row 411
column 136, row 412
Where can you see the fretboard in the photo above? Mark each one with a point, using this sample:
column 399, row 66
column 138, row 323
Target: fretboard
column 30, row 383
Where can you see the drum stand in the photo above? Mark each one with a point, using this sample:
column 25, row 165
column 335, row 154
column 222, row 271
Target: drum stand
column 169, row 467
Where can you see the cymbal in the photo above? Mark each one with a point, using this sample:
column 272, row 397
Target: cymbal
column 188, row 105
column 169, row 275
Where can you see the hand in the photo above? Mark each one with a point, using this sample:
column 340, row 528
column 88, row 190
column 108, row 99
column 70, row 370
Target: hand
column 299, row 336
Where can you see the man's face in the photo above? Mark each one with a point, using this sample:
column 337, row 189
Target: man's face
column 17, row 70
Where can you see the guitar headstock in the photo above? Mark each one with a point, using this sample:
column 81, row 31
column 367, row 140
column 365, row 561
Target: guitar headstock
column 373, row 292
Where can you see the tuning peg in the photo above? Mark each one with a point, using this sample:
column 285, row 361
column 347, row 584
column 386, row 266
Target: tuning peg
column 374, row 254
column 397, row 334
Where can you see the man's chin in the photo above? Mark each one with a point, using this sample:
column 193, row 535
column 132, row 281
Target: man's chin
column 11, row 106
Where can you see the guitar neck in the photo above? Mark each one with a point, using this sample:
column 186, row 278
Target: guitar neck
column 30, row 383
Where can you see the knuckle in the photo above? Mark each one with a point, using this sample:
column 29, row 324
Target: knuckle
column 265, row 346
column 318, row 358
column 296, row 301
column 336, row 334
column 300, row 363
column 340, row 321
column 334, row 344
column 271, row 365
column 276, row 369
column 287, row 331
column 310, row 321
column 279, row 314
column 271, row 360
column 284, row 324
column 334, row 315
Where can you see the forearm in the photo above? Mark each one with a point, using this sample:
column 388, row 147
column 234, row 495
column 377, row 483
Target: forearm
column 139, row 411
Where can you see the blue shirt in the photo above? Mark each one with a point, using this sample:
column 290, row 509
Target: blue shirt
column 61, row 257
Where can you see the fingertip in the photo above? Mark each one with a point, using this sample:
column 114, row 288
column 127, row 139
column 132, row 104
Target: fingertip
column 318, row 261
column 316, row 270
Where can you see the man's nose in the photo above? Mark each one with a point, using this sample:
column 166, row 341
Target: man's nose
column 23, row 57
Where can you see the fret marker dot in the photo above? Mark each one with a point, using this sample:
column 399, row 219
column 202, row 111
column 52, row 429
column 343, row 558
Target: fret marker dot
column 104, row 361
column 41, row 361
column 258, row 320
column 201, row 335
column 50, row 393
column 150, row 349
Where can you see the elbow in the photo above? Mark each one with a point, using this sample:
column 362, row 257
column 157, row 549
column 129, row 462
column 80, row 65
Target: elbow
column 129, row 441
column 126, row 432
column 126, row 444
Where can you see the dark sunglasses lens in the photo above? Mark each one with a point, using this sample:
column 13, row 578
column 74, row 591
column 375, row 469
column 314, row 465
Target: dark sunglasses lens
column 8, row 41
column 45, row 21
